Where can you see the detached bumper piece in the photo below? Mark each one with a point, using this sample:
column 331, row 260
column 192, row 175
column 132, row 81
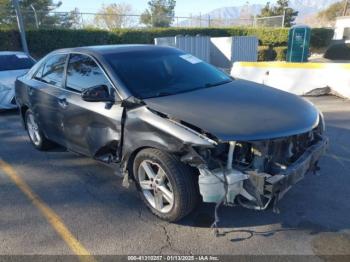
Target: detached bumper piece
column 276, row 186
column 254, row 189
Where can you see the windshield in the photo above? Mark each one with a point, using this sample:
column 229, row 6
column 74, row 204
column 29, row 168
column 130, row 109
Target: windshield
column 152, row 74
column 15, row 62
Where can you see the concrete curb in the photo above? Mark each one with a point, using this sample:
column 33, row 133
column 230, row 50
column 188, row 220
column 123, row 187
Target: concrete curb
column 297, row 78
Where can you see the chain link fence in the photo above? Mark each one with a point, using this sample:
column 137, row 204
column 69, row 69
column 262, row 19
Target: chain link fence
column 77, row 20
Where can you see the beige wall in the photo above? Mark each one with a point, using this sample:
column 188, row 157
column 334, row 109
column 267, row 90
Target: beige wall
column 342, row 28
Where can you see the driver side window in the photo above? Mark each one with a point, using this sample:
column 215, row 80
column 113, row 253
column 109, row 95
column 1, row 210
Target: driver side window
column 83, row 72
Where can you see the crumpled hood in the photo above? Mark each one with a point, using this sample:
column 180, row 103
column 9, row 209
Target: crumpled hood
column 240, row 111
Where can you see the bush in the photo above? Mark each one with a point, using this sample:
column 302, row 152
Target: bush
column 321, row 37
column 266, row 53
column 281, row 53
column 338, row 52
column 43, row 41
column 9, row 40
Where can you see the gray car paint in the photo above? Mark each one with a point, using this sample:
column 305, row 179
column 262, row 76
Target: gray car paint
column 133, row 126
column 240, row 111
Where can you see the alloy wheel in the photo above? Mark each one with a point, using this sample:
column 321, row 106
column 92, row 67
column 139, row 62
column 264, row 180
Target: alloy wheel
column 156, row 186
column 33, row 130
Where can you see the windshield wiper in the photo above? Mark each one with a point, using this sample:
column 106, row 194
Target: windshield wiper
column 218, row 83
column 164, row 94
column 160, row 94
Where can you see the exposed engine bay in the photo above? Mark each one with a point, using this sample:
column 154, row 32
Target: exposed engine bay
column 255, row 173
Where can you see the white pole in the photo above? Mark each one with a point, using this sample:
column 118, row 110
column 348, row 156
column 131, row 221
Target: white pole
column 345, row 7
column 36, row 17
column 21, row 26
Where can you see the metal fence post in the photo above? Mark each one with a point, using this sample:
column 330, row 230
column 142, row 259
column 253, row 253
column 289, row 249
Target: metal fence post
column 209, row 21
column 284, row 17
column 21, row 26
column 346, row 4
column 35, row 16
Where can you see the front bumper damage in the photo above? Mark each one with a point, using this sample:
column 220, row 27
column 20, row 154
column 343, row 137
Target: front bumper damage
column 254, row 189
column 277, row 185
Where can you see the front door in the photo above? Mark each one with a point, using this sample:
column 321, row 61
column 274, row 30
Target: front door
column 90, row 128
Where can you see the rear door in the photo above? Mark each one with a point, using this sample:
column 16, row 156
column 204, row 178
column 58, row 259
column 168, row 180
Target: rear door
column 44, row 94
column 91, row 128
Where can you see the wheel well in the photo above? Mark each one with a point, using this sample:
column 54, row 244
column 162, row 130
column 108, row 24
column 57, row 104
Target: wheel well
column 131, row 159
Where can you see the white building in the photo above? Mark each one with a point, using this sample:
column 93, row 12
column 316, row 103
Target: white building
column 342, row 28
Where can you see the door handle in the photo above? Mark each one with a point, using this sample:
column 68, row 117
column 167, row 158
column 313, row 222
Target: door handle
column 30, row 90
column 62, row 101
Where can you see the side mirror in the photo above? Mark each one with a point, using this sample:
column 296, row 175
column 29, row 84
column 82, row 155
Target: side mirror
column 97, row 94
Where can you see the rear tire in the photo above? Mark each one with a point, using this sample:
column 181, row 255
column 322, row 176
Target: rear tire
column 173, row 180
column 36, row 136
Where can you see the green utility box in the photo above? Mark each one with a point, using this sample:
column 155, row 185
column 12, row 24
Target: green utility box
column 298, row 44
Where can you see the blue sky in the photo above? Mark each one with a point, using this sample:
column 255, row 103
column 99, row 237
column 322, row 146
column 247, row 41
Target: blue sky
column 183, row 7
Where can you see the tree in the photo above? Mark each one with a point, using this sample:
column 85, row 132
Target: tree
column 159, row 14
column 41, row 7
column 333, row 11
column 70, row 19
column 266, row 11
column 281, row 8
column 7, row 14
column 114, row 16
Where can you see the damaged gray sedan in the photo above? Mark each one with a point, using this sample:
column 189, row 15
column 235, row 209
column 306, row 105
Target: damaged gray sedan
column 180, row 128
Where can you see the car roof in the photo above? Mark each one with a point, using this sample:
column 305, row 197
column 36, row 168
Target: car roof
column 12, row 53
column 113, row 49
column 102, row 51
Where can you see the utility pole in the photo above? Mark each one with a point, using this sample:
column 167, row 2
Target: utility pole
column 35, row 16
column 21, row 26
column 285, row 16
column 346, row 5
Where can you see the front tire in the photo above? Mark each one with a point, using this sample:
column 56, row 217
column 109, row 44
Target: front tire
column 39, row 141
column 167, row 186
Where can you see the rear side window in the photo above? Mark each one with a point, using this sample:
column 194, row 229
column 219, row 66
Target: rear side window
column 83, row 72
column 15, row 62
column 52, row 71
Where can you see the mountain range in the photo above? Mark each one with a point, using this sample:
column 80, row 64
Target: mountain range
column 306, row 9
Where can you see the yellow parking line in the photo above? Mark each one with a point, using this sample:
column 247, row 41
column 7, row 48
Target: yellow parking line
column 53, row 219
column 346, row 66
column 283, row 65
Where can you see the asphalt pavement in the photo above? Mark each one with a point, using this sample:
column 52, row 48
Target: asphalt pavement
column 105, row 218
